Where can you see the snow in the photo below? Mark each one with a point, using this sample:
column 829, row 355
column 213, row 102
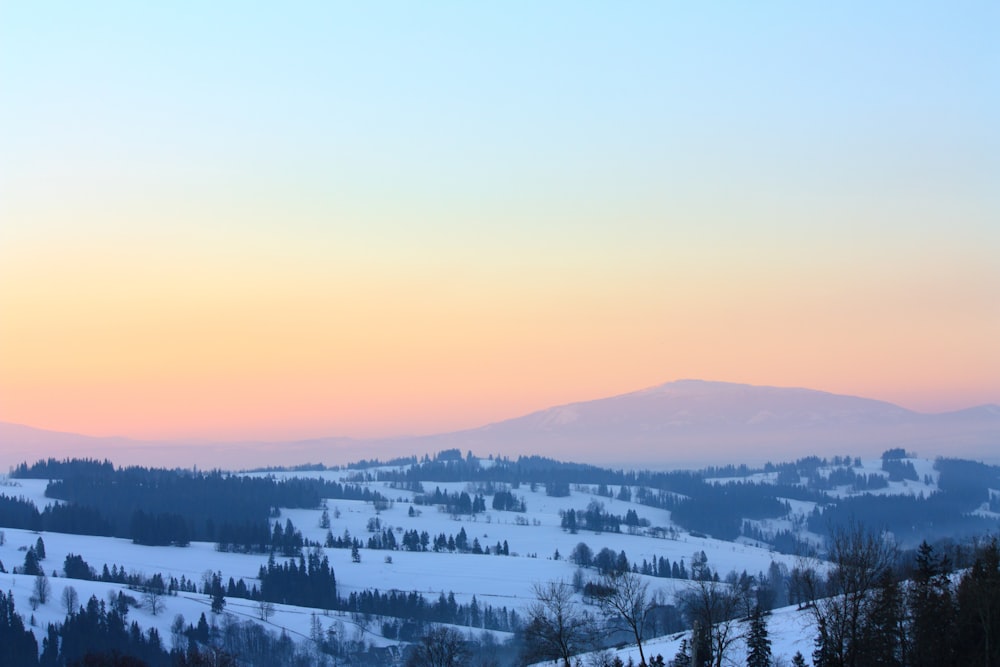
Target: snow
column 790, row 630
column 502, row 581
column 29, row 489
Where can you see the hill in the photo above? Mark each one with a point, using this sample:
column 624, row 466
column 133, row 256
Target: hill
column 687, row 423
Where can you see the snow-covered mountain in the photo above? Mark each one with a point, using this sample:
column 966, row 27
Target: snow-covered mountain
column 682, row 423
column 694, row 421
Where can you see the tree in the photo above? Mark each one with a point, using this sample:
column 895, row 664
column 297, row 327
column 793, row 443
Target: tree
column 556, row 628
column 177, row 636
column 355, row 554
column 218, row 597
column 265, row 609
column 582, row 555
column 40, row 548
column 70, row 599
column 19, row 644
column 979, row 608
column 625, row 597
column 153, row 592
column 758, row 643
column 42, row 588
column 31, row 566
column 152, row 598
column 860, row 560
column 932, row 610
column 74, row 567
column 712, row 608
column 683, row 657
column 884, row 634
column 440, row 647
column 798, row 660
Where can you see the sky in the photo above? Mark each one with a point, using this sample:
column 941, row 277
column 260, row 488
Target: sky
column 267, row 221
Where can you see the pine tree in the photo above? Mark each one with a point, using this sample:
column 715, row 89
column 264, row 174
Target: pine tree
column 218, row 597
column 355, row 554
column 758, row 643
column 682, row 658
column 884, row 635
column 932, row 611
column 798, row 660
column 31, row 563
column 19, row 644
column 979, row 609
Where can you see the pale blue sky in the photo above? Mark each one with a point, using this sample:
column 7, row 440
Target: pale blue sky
column 774, row 193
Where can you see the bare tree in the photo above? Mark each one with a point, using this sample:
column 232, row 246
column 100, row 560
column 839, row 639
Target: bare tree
column 177, row 632
column 42, row 588
column 557, row 629
column 714, row 609
column 860, row 559
column 70, row 599
column 440, row 647
column 265, row 609
column 625, row 598
column 152, row 597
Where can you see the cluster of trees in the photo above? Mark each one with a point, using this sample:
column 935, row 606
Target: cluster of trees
column 52, row 468
column 946, row 513
column 417, row 541
column 857, row 481
column 782, row 541
column 595, row 518
column 870, row 615
column 60, row 518
column 719, row 509
column 92, row 634
column 310, row 582
column 558, row 628
column 506, row 501
column 453, row 503
column 414, row 607
column 97, row 633
column 867, row 610
column 899, row 470
column 159, row 507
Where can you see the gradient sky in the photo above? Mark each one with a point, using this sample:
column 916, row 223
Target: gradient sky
column 281, row 220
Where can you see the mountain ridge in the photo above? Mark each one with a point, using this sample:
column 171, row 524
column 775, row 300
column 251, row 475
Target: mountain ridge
column 685, row 421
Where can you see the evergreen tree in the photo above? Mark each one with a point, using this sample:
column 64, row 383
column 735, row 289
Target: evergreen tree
column 883, row 639
column 798, row 660
column 932, row 611
column 682, row 657
column 218, row 597
column 31, row 566
column 758, row 643
column 40, row 548
column 979, row 609
column 19, row 645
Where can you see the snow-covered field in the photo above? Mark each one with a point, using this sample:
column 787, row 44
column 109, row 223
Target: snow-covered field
column 538, row 547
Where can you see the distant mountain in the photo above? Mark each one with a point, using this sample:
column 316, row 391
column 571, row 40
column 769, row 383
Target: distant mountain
column 25, row 443
column 678, row 424
column 694, row 421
